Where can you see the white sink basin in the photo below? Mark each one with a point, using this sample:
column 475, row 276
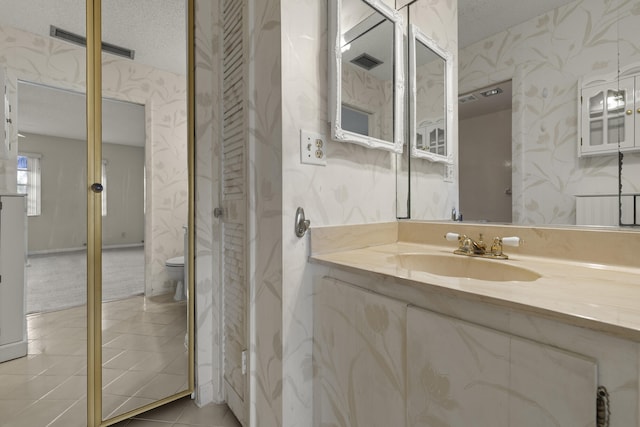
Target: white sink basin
column 469, row 267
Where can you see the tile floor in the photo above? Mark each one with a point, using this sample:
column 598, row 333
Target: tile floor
column 184, row 413
column 144, row 359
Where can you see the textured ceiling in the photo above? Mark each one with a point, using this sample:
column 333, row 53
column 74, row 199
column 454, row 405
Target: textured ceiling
column 155, row 29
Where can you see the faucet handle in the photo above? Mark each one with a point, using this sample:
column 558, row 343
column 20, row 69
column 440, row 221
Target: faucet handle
column 511, row 241
column 452, row 237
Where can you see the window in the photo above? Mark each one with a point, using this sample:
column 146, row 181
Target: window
column 355, row 120
column 28, row 180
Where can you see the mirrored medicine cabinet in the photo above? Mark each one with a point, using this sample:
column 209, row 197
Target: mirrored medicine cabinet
column 366, row 74
column 431, row 98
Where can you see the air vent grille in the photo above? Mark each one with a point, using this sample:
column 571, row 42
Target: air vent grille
column 463, row 99
column 70, row 37
column 366, row 61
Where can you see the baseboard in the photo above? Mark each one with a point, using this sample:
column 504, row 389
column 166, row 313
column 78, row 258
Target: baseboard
column 13, row 350
column 204, row 394
column 84, row 248
column 235, row 403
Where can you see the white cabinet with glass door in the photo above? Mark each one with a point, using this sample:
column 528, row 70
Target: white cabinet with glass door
column 431, row 138
column 609, row 111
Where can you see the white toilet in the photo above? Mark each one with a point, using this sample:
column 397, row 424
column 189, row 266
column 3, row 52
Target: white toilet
column 176, row 273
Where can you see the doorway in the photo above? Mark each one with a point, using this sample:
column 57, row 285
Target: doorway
column 485, row 154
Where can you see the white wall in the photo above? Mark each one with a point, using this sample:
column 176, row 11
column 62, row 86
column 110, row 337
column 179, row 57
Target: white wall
column 48, row 61
column 485, row 167
column 545, row 57
column 62, row 224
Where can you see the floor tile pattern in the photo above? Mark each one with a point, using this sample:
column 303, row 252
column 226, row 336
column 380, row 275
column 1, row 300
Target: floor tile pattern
column 144, row 359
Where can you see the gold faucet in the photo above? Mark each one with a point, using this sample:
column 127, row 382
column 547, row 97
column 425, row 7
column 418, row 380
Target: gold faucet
column 478, row 248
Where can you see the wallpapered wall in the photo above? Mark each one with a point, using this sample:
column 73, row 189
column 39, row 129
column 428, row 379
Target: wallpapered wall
column 44, row 60
column 546, row 56
column 431, row 196
column 356, row 186
column 367, row 93
column 288, row 43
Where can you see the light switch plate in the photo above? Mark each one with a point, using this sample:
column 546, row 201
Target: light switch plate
column 312, row 148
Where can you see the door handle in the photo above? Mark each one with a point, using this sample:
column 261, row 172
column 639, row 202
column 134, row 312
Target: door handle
column 301, row 224
column 96, row 187
column 217, row 212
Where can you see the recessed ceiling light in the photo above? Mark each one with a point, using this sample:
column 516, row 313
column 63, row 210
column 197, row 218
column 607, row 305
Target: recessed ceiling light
column 491, row 92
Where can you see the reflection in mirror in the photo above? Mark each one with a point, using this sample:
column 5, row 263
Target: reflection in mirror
column 366, row 89
column 145, row 356
column 47, row 381
column 544, row 56
column 431, row 98
column 45, row 156
column 484, row 141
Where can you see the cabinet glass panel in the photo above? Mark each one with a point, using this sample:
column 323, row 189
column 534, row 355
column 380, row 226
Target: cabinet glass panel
column 615, row 116
column 596, row 124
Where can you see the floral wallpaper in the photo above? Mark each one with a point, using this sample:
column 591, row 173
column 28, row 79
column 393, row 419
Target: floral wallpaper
column 431, row 197
column 356, row 186
column 546, row 57
column 29, row 57
column 288, row 84
column 367, row 93
column 208, row 310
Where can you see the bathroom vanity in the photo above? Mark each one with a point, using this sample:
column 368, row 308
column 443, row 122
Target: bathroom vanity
column 394, row 345
column 13, row 323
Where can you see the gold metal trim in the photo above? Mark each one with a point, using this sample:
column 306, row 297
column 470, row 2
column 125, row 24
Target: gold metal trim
column 94, row 218
column 191, row 135
column 145, row 408
column 94, row 213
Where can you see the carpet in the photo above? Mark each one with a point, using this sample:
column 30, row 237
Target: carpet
column 59, row 280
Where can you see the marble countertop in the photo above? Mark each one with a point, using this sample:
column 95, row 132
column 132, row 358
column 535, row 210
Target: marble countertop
column 600, row 297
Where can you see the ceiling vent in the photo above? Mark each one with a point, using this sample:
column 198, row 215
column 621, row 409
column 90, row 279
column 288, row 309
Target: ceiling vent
column 463, row 99
column 366, row 61
column 70, row 37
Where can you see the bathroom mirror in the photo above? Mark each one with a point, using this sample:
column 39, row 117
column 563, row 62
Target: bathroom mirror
column 431, row 98
column 143, row 357
column 145, row 340
column 542, row 56
column 366, row 88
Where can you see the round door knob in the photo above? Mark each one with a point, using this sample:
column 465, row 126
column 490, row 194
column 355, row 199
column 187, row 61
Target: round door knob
column 629, row 112
column 96, row 187
column 638, row 110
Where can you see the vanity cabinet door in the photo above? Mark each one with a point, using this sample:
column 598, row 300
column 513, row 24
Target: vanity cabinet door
column 461, row 374
column 359, row 356
column 458, row 373
column 550, row 386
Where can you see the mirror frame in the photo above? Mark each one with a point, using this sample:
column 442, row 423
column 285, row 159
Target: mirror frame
column 335, row 79
column 415, row 36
